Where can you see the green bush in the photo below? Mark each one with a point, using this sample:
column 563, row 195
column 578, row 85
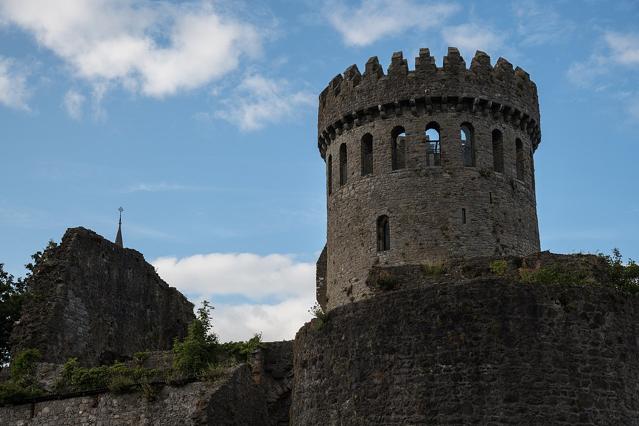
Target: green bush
column 198, row 349
column 554, row 274
column 213, row 372
column 318, row 312
column 499, row 267
column 76, row 378
column 240, row 351
column 626, row 276
column 23, row 367
column 117, row 377
column 23, row 383
column 12, row 392
column 121, row 384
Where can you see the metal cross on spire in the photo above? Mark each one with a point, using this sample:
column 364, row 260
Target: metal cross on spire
column 118, row 237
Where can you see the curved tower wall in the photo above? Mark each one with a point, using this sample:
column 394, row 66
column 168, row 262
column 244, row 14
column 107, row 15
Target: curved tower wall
column 436, row 210
column 481, row 352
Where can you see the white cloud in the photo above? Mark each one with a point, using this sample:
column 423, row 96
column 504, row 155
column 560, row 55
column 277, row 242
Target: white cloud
column 624, row 48
column 276, row 322
column 247, row 274
column 259, row 100
column 472, row 37
column 587, row 73
column 13, row 85
column 374, row 19
column 616, row 50
column 289, row 286
column 73, row 102
column 540, row 24
column 156, row 48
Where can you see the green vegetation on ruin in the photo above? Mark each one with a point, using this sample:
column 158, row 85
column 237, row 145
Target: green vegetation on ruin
column 197, row 357
column 320, row 315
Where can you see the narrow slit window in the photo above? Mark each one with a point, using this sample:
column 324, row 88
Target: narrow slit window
column 329, row 174
column 398, row 148
column 464, row 216
column 467, row 144
column 490, row 197
column 433, row 145
column 383, row 233
column 343, row 165
column 519, row 159
column 367, row 154
column 498, row 151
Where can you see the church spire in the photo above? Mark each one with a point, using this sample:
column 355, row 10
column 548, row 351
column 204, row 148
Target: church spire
column 118, row 237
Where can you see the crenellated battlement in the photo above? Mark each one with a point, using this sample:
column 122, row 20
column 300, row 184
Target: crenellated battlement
column 353, row 98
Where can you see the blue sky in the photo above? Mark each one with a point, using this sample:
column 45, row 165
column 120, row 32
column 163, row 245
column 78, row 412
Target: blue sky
column 199, row 118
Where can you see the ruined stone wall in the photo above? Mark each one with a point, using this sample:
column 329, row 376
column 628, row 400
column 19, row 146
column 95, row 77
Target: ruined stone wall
column 235, row 400
column 480, row 352
column 435, row 212
column 98, row 302
column 272, row 366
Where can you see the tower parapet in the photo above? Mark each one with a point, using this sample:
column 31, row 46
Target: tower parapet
column 425, row 165
column 352, row 98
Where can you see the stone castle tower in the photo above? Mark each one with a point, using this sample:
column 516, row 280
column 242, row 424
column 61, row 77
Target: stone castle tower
column 425, row 165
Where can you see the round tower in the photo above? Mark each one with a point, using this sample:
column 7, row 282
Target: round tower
column 425, row 165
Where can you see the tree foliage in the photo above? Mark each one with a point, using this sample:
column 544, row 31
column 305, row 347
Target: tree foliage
column 12, row 295
column 199, row 347
column 623, row 275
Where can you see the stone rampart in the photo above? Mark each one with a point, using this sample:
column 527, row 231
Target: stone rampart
column 235, row 400
column 485, row 351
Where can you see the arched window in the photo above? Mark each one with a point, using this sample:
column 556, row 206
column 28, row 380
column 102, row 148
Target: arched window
column 383, row 233
column 468, row 144
column 498, row 151
column 398, row 148
column 343, row 165
column 519, row 159
column 367, row 154
column 433, row 146
column 329, row 174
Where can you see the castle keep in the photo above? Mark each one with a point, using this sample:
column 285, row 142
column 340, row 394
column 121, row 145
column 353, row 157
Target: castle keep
column 424, row 166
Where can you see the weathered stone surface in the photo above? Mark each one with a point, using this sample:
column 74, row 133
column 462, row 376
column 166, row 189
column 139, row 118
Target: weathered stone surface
column 435, row 212
column 99, row 302
column 483, row 351
column 350, row 95
column 235, row 400
column 580, row 267
column 273, row 370
column 320, row 279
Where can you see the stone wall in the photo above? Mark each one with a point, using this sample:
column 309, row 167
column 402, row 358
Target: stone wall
column 272, row 366
column 353, row 97
column 485, row 351
column 98, row 302
column 235, row 400
column 320, row 279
